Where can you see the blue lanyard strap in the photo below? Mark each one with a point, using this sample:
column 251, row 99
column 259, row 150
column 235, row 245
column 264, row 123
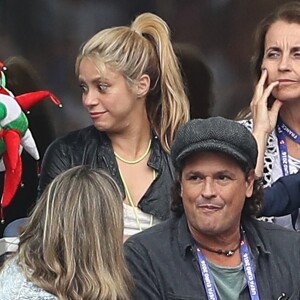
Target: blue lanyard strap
column 249, row 270
column 283, row 153
column 288, row 131
column 282, row 131
column 208, row 279
column 248, row 266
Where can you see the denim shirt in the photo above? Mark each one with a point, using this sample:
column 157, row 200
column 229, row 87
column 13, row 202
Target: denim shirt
column 15, row 286
column 164, row 265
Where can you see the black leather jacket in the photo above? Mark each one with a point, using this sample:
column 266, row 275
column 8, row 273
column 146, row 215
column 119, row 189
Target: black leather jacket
column 89, row 146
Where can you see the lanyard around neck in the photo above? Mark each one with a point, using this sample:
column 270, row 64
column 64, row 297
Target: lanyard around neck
column 130, row 200
column 283, row 153
column 288, row 131
column 282, row 131
column 248, row 265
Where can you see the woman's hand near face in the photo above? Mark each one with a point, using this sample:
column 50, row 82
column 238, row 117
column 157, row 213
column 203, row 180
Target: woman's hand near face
column 264, row 119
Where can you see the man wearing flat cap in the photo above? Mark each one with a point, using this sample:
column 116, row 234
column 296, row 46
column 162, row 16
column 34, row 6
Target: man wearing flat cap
column 213, row 247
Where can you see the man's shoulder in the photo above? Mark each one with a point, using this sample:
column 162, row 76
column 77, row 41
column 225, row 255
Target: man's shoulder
column 268, row 230
column 78, row 138
column 82, row 133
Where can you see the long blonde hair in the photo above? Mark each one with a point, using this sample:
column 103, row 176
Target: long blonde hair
column 72, row 246
column 145, row 48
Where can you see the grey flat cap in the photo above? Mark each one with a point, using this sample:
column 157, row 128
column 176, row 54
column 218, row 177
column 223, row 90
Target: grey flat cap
column 215, row 134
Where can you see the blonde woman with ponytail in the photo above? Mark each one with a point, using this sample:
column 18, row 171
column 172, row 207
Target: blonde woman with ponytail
column 132, row 88
column 72, row 246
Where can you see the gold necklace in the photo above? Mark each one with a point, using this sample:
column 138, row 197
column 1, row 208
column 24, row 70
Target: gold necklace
column 132, row 162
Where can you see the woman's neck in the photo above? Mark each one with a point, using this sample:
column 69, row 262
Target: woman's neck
column 131, row 143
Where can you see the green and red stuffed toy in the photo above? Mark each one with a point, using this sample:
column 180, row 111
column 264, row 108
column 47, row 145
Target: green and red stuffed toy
column 15, row 135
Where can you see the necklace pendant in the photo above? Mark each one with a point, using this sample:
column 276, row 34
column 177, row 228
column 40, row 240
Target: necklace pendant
column 229, row 252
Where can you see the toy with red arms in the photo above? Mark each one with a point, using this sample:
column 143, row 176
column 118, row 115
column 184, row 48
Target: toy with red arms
column 15, row 135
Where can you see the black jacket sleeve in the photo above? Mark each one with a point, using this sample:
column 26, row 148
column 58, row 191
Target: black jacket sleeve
column 55, row 161
column 283, row 197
